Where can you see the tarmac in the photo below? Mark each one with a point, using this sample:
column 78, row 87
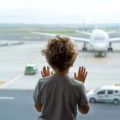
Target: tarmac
column 16, row 89
column 101, row 71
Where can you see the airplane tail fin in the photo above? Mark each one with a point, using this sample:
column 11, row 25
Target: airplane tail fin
column 96, row 24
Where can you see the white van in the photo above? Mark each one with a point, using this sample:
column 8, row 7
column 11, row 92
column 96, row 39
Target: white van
column 109, row 94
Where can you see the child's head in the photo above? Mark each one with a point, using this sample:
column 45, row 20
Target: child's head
column 60, row 53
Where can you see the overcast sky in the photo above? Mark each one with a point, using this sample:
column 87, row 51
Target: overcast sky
column 59, row 11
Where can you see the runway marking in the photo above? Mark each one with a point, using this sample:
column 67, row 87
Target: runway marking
column 2, row 82
column 28, row 61
column 7, row 98
column 12, row 79
column 98, row 60
column 90, row 89
column 37, row 37
column 27, row 37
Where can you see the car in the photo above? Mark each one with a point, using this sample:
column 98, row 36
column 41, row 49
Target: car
column 30, row 69
column 109, row 94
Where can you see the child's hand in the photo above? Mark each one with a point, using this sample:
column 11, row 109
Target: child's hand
column 81, row 74
column 46, row 72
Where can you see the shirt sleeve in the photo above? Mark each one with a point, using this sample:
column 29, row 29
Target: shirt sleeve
column 83, row 97
column 37, row 93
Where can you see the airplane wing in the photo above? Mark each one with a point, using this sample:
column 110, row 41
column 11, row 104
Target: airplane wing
column 78, row 39
column 114, row 40
column 86, row 33
column 47, row 34
column 110, row 32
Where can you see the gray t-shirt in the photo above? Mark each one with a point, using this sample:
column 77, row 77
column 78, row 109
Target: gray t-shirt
column 59, row 96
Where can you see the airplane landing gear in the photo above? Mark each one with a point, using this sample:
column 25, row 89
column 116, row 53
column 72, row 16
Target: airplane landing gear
column 100, row 54
column 110, row 47
column 84, row 47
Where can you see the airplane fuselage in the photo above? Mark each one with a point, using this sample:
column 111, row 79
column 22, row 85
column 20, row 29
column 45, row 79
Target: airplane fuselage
column 99, row 40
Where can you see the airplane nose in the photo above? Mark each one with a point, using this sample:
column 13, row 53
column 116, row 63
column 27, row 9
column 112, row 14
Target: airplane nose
column 100, row 46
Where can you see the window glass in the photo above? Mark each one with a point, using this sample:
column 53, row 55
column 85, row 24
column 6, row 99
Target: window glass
column 101, row 92
column 116, row 91
column 26, row 26
column 96, row 89
column 110, row 92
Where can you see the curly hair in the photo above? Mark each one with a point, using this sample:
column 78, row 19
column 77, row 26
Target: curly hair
column 60, row 53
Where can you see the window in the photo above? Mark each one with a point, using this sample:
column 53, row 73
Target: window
column 25, row 29
column 101, row 92
column 116, row 91
column 110, row 92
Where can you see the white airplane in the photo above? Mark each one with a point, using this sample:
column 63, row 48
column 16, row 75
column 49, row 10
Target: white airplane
column 99, row 41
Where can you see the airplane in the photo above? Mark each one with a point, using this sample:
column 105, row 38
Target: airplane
column 99, row 41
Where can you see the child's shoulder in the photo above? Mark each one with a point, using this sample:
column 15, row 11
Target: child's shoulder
column 45, row 79
column 76, row 83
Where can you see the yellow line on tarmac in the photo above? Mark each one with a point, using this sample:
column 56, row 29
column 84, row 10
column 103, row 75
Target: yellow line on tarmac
column 2, row 82
column 27, row 37
column 98, row 60
column 37, row 37
column 30, row 61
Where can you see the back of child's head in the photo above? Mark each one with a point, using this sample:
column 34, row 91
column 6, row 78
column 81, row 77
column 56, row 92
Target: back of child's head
column 60, row 53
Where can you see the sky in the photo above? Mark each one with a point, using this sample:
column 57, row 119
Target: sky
column 59, row 11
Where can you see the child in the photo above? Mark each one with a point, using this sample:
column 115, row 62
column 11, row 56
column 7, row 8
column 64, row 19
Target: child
column 58, row 95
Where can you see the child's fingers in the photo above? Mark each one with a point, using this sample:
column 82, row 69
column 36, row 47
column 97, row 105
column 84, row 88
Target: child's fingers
column 48, row 69
column 84, row 70
column 44, row 70
column 79, row 71
column 42, row 74
column 75, row 75
column 84, row 77
column 86, row 74
column 51, row 73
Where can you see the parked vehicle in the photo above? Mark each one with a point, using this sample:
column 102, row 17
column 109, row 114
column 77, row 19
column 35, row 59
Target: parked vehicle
column 30, row 69
column 109, row 94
